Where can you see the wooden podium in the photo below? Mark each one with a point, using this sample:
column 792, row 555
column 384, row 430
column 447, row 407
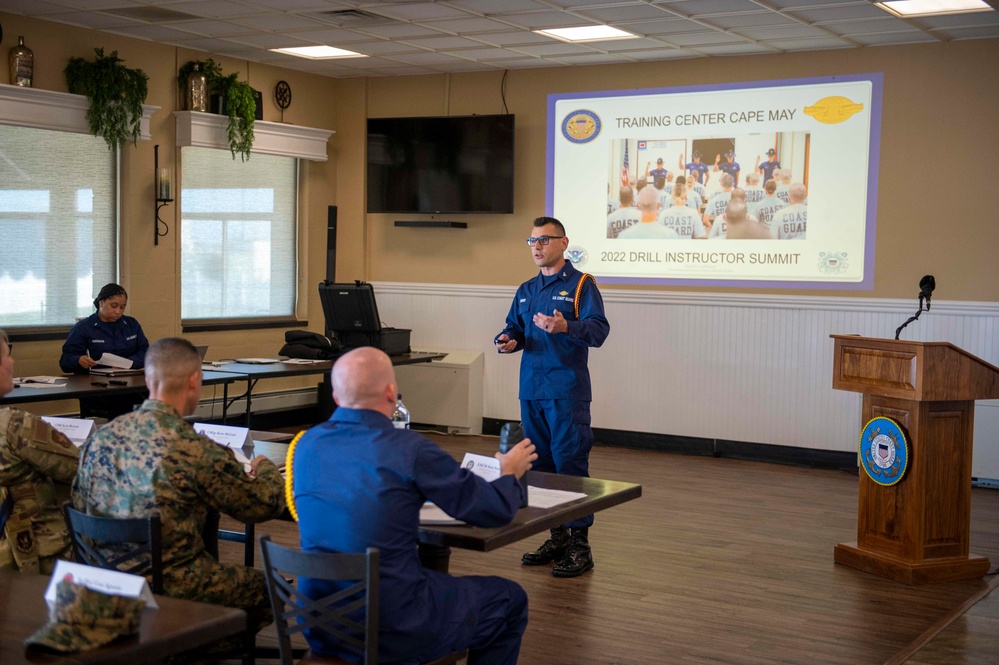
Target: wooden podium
column 916, row 531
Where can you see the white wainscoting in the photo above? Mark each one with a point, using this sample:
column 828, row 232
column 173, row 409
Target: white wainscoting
column 740, row 367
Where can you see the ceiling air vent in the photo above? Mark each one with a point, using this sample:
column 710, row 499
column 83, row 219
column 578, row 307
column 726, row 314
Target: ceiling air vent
column 349, row 18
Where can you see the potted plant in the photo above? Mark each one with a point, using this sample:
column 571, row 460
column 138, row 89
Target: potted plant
column 115, row 92
column 236, row 101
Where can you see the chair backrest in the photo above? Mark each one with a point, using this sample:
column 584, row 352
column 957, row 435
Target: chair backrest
column 333, row 614
column 144, row 557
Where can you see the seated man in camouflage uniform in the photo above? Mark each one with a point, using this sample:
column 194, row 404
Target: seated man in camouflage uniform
column 152, row 460
column 37, row 463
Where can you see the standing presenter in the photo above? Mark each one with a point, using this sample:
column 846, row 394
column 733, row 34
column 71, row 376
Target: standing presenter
column 554, row 319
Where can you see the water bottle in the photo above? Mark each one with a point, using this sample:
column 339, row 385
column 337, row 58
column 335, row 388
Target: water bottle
column 511, row 435
column 400, row 417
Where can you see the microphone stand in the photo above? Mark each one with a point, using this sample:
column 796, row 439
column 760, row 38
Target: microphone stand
column 915, row 316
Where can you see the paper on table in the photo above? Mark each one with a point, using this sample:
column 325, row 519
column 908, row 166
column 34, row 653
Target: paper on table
column 301, row 361
column 432, row 515
column 258, row 361
column 541, row 497
column 111, row 360
column 44, row 380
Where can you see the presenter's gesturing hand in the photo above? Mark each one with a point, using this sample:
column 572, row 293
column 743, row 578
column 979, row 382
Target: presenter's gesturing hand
column 518, row 460
column 551, row 324
column 504, row 344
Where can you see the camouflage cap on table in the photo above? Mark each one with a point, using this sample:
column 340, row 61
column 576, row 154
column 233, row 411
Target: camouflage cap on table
column 84, row 619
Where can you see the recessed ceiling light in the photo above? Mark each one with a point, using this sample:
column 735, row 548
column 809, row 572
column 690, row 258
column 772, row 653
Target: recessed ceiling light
column 587, row 33
column 909, row 8
column 318, row 52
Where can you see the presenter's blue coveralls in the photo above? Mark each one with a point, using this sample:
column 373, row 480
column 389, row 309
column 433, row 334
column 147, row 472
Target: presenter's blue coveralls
column 358, row 482
column 555, row 390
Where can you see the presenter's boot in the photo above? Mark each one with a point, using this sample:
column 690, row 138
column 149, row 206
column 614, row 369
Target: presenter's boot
column 552, row 550
column 578, row 559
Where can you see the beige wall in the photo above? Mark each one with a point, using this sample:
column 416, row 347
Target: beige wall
column 938, row 190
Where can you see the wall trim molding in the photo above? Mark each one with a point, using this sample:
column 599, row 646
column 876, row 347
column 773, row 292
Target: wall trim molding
column 208, row 130
column 59, row 111
column 750, row 300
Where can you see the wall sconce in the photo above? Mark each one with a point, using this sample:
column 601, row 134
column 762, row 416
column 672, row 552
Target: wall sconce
column 163, row 186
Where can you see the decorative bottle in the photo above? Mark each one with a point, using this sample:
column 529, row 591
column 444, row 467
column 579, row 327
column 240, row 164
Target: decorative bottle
column 197, row 91
column 22, row 64
column 400, row 417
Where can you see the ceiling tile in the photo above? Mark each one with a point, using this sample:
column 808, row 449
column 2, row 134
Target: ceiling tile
column 661, row 54
column 622, row 45
column 839, row 13
column 797, row 31
column 216, row 9
column 545, row 20
column 92, row 20
column 414, row 11
column 960, row 20
column 734, row 49
column 616, row 14
column 794, row 5
column 887, row 38
column 268, row 41
column 294, row 5
column 592, row 59
column 482, row 54
column 709, row 7
column 32, row 7
column 398, row 30
column 811, row 44
column 581, row 4
column 971, row 32
column 655, row 28
column 466, row 25
column 704, row 39
column 425, row 58
column 331, row 36
column 210, row 28
column 381, row 47
column 156, row 33
column 554, row 49
column 442, row 42
column 277, row 22
column 517, row 37
column 886, row 24
column 90, row 5
column 757, row 19
column 493, row 7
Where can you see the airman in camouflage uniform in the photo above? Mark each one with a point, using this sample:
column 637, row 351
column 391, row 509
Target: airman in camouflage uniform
column 37, row 463
column 152, row 461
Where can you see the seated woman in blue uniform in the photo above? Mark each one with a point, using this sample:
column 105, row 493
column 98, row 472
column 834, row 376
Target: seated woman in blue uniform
column 107, row 330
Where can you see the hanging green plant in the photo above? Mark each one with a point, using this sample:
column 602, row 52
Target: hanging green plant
column 115, row 92
column 237, row 102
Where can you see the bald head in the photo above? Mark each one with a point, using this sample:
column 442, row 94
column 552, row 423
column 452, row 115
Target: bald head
column 625, row 196
column 735, row 213
column 173, row 373
column 738, row 194
column 364, row 379
column 753, row 179
column 796, row 194
column 726, row 181
column 648, row 199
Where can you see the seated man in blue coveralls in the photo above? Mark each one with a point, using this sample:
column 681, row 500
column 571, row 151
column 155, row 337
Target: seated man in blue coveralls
column 358, row 482
column 555, row 317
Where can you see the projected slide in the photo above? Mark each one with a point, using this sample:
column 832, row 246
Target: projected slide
column 754, row 184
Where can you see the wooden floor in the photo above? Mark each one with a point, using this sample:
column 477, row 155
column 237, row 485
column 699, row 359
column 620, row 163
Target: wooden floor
column 731, row 562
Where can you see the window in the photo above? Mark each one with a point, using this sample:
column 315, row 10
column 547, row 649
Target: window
column 238, row 244
column 58, row 224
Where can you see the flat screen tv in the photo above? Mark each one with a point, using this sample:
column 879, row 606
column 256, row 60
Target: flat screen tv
column 453, row 164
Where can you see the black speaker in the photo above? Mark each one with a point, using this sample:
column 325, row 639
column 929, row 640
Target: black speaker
column 331, row 244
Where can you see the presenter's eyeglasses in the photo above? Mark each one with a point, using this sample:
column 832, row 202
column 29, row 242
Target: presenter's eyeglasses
column 542, row 240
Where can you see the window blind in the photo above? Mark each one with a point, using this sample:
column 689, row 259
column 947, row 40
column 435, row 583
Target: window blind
column 238, row 235
column 58, row 223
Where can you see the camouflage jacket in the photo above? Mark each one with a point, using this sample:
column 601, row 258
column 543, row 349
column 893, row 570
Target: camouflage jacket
column 37, row 463
column 152, row 460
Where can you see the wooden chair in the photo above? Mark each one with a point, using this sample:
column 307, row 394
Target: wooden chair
column 294, row 612
column 145, row 558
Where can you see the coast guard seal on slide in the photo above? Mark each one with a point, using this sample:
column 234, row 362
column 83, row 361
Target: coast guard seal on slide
column 884, row 451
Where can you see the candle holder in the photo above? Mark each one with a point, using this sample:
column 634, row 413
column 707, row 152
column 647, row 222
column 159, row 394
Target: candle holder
column 162, row 186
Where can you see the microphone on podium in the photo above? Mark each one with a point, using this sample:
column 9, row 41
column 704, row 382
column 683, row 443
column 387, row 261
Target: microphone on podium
column 926, row 286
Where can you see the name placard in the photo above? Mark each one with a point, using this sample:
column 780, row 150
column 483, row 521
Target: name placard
column 111, row 582
column 76, row 430
column 487, row 468
column 227, row 435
